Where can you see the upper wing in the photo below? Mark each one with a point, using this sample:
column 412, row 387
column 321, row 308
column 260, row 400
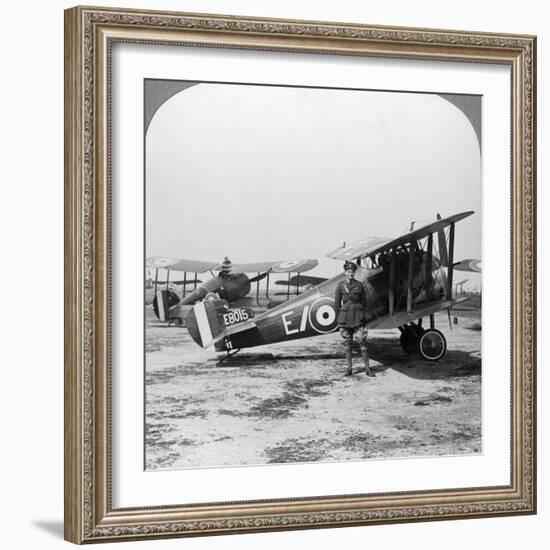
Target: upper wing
column 288, row 266
column 199, row 266
column 374, row 245
column 179, row 264
column 357, row 249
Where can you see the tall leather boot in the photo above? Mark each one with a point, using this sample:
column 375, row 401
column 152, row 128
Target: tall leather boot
column 365, row 355
column 349, row 371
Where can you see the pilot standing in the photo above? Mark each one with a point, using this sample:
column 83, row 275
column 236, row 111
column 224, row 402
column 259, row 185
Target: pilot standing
column 350, row 302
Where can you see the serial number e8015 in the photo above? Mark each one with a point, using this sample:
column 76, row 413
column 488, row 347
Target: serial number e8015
column 235, row 316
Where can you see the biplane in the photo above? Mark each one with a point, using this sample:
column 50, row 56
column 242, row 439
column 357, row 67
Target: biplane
column 407, row 279
column 152, row 285
column 231, row 284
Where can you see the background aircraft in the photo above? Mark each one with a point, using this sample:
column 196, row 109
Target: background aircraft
column 231, row 284
column 153, row 284
column 406, row 279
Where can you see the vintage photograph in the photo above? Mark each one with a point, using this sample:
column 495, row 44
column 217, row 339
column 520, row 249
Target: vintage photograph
column 312, row 274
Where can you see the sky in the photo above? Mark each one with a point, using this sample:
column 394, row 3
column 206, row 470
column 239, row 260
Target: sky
column 275, row 173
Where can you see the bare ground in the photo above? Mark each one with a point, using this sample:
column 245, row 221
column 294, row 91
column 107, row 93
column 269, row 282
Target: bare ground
column 290, row 402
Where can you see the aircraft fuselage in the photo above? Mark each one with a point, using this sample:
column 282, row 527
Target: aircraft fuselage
column 313, row 312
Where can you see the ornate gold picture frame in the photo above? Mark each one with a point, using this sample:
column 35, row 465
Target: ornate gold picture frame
column 90, row 35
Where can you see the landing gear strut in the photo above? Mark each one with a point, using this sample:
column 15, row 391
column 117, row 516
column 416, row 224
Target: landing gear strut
column 228, row 355
column 430, row 343
column 410, row 336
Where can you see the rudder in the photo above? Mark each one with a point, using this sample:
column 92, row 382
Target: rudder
column 205, row 321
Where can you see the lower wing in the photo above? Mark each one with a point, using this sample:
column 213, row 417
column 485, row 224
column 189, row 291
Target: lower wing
column 400, row 318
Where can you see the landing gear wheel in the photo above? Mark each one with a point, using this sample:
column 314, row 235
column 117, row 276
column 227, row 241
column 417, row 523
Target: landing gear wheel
column 432, row 345
column 410, row 337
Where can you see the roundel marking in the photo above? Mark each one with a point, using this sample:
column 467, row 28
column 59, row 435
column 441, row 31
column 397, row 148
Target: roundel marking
column 288, row 264
column 475, row 265
column 322, row 315
column 161, row 262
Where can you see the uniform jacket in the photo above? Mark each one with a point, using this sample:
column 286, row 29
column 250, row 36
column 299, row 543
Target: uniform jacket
column 350, row 301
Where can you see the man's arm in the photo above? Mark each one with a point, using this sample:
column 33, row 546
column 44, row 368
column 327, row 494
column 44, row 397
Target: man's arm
column 364, row 297
column 364, row 302
column 337, row 300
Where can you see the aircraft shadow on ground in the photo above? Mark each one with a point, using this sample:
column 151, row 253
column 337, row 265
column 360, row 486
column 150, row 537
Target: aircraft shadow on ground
column 455, row 363
column 384, row 354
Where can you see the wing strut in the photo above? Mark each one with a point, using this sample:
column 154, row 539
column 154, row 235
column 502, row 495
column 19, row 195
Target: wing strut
column 391, row 291
column 410, row 280
column 428, row 278
column 450, row 264
column 444, row 260
column 184, row 283
column 288, row 287
column 156, row 279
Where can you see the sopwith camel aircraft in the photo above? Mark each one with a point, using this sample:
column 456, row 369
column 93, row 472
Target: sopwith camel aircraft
column 231, row 284
column 406, row 279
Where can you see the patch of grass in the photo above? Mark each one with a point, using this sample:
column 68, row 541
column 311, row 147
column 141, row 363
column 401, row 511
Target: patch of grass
column 197, row 413
column 278, row 407
column 294, row 397
column 406, row 424
column 163, row 376
column 165, row 461
column 433, row 399
column 155, row 432
column 229, row 412
column 360, row 442
column 307, row 386
column 175, row 408
column 298, row 450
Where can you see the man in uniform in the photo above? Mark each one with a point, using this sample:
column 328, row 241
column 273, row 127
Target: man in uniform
column 351, row 301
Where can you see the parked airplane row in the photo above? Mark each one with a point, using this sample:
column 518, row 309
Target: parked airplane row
column 407, row 279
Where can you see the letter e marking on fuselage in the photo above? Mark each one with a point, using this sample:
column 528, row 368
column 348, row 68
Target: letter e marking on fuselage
column 288, row 322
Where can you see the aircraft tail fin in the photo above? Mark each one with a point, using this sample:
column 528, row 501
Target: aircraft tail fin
column 211, row 322
column 163, row 301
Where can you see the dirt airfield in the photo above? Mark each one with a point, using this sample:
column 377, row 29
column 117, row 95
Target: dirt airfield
column 290, row 402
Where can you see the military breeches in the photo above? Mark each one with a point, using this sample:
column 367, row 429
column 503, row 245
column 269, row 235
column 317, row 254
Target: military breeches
column 359, row 333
